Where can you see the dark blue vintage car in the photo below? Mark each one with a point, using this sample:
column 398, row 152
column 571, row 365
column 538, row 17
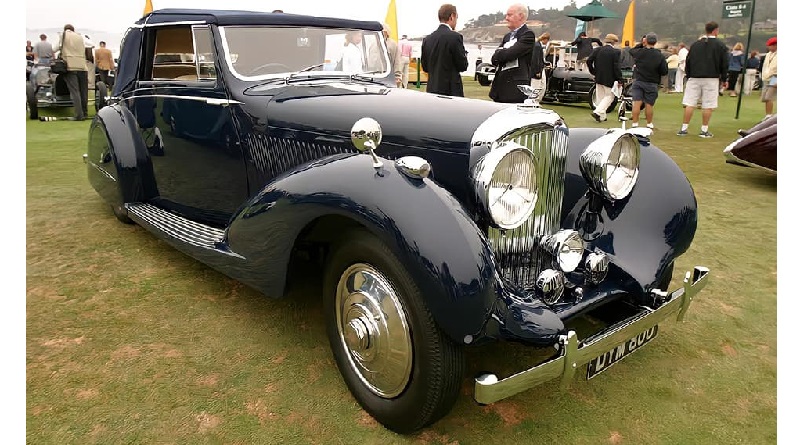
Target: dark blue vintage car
column 440, row 223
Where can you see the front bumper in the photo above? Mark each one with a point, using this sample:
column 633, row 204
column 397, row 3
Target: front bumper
column 489, row 389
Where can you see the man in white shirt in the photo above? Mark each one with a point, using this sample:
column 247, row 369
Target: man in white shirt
column 352, row 57
column 680, row 75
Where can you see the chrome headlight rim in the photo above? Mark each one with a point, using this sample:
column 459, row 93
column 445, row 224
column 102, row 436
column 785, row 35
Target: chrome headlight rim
column 609, row 151
column 484, row 174
column 567, row 248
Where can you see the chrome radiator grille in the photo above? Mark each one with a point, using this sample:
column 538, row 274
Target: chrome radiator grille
column 519, row 259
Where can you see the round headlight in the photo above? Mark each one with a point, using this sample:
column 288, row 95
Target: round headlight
column 505, row 181
column 610, row 164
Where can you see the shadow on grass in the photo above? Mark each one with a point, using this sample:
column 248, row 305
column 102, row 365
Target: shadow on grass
column 754, row 177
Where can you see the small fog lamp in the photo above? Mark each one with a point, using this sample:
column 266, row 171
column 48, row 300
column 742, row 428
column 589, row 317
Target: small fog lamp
column 596, row 267
column 551, row 283
column 566, row 246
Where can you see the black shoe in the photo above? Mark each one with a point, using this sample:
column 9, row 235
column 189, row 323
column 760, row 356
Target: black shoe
column 706, row 134
column 596, row 117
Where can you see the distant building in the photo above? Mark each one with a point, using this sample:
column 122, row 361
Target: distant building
column 767, row 25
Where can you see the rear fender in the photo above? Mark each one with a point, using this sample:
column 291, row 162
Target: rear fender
column 120, row 169
column 424, row 225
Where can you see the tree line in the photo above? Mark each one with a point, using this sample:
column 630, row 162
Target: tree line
column 675, row 20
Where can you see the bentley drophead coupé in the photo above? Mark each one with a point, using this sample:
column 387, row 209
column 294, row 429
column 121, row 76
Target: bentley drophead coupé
column 440, row 223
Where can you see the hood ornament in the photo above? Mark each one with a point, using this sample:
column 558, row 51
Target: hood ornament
column 533, row 93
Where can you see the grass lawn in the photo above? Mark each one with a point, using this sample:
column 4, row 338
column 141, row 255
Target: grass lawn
column 130, row 341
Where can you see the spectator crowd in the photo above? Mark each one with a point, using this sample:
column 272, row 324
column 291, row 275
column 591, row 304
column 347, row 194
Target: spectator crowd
column 702, row 71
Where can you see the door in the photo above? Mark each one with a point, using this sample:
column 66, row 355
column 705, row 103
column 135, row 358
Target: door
column 183, row 114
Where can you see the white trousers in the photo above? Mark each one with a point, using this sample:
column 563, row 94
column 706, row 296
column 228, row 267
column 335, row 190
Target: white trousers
column 680, row 77
column 541, row 85
column 604, row 99
column 749, row 80
column 404, row 61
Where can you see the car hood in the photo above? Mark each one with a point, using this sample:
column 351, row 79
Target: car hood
column 410, row 120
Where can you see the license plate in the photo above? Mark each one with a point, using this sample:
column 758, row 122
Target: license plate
column 491, row 77
column 604, row 361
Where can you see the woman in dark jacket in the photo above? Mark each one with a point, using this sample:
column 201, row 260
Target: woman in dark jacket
column 735, row 67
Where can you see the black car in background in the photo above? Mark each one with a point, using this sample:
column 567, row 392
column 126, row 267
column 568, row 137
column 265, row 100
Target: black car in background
column 565, row 84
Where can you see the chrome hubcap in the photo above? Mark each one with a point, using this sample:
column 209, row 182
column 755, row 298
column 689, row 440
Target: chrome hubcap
column 373, row 329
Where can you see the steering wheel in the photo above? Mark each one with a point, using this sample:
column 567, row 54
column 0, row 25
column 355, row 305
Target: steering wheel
column 260, row 68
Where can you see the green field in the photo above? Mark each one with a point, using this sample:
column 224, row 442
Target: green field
column 130, row 341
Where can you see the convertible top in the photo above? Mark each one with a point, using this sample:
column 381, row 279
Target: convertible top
column 231, row 17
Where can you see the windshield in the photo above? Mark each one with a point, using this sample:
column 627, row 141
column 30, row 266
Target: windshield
column 261, row 52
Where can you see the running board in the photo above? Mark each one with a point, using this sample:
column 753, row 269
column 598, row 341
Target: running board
column 175, row 226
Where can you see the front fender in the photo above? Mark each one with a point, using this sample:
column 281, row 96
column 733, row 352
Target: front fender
column 643, row 233
column 423, row 224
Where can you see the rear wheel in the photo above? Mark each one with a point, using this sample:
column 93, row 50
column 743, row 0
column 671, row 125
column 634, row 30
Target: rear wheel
column 593, row 100
column 394, row 359
column 100, row 93
column 30, row 97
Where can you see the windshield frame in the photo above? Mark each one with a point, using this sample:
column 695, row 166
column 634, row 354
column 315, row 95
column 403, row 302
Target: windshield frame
column 310, row 74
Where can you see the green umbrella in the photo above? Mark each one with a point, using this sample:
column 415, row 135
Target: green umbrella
column 593, row 11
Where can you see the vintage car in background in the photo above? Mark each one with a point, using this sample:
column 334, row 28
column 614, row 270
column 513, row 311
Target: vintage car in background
column 565, row 84
column 47, row 90
column 756, row 146
column 439, row 223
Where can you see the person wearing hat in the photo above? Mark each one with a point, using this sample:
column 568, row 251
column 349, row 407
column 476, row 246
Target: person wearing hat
column 585, row 48
column 706, row 69
column 769, row 76
column 650, row 67
column 604, row 65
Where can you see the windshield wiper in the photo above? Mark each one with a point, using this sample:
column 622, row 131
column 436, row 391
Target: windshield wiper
column 310, row 68
column 364, row 77
column 306, row 69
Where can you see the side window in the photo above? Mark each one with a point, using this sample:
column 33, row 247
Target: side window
column 183, row 53
column 204, row 53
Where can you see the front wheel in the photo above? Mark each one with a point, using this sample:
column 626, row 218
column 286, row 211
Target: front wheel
column 30, row 97
column 483, row 79
column 394, row 359
column 593, row 100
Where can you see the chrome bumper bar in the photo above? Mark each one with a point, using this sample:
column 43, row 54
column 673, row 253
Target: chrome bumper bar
column 489, row 389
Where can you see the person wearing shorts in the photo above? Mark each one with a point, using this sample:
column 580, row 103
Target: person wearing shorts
column 650, row 67
column 769, row 75
column 706, row 70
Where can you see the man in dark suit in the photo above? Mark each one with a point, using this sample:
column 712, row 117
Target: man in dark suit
column 513, row 58
column 444, row 56
column 603, row 63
